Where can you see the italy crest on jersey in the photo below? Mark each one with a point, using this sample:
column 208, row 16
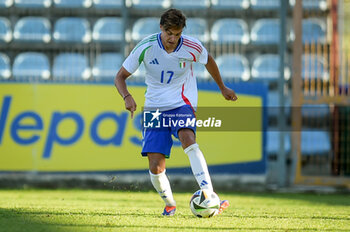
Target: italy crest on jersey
column 182, row 63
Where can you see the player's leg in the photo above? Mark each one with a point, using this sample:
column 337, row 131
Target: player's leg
column 196, row 157
column 160, row 181
column 156, row 162
column 198, row 163
column 156, row 145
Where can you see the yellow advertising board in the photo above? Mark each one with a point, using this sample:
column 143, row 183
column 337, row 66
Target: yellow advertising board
column 85, row 127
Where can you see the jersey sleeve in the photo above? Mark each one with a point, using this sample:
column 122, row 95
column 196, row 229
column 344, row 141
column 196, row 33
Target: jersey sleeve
column 135, row 58
column 203, row 55
column 131, row 63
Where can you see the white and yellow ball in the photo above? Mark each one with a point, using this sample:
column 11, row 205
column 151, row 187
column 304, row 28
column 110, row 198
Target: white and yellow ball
column 204, row 203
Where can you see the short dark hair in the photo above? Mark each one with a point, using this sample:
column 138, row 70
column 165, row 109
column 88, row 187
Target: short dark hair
column 173, row 18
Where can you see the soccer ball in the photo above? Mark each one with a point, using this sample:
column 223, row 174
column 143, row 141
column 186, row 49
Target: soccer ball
column 204, row 204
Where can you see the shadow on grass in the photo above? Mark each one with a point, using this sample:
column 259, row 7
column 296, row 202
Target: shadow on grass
column 133, row 214
column 18, row 220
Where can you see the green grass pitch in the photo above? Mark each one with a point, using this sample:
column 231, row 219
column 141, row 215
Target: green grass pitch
column 97, row 210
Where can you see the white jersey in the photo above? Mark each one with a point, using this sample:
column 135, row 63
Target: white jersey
column 169, row 76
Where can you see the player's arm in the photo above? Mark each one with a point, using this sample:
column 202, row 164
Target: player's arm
column 213, row 69
column 120, row 83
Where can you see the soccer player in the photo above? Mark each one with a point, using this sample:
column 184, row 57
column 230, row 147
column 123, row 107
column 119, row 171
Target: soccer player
column 171, row 86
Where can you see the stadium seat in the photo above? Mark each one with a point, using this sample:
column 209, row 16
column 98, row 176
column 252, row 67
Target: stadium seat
column 197, row 28
column 200, row 72
column 273, row 104
column 308, row 111
column 71, row 66
column 72, row 30
column 266, row 68
column 273, row 140
column 150, row 4
column 312, row 4
column 265, row 32
column 265, row 4
column 314, row 67
column 106, row 66
column 191, row 5
column 32, row 29
column 315, row 111
column 315, row 142
column 229, row 30
column 72, row 3
column 108, row 4
column 33, row 3
column 6, row 3
column 5, row 70
column 314, row 30
column 144, row 27
column 233, row 67
column 5, row 30
column 229, row 4
column 108, row 30
column 31, row 65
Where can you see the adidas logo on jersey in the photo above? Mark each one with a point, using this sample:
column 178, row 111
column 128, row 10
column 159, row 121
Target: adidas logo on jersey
column 154, row 61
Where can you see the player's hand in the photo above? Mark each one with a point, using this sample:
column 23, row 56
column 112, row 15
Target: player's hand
column 229, row 94
column 130, row 105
